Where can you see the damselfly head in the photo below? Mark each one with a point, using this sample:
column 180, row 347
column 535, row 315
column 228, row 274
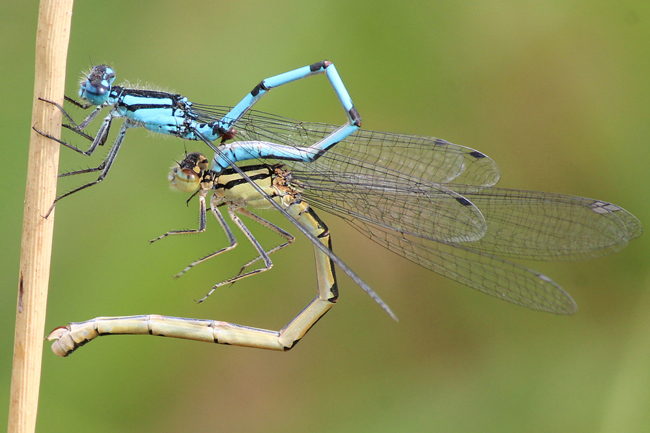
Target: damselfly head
column 188, row 174
column 96, row 87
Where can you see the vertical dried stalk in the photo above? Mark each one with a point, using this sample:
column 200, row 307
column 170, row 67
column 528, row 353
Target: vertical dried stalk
column 52, row 38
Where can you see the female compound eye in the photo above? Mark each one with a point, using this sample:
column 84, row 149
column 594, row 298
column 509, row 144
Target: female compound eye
column 185, row 180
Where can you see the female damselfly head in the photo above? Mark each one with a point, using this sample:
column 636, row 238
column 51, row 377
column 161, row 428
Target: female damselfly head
column 96, row 87
column 189, row 173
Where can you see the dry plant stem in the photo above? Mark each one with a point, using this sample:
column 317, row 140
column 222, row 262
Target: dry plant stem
column 52, row 38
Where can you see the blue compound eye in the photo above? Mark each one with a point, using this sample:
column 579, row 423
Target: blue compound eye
column 95, row 94
column 97, row 87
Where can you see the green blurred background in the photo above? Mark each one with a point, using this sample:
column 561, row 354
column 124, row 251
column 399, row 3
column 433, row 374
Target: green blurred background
column 555, row 91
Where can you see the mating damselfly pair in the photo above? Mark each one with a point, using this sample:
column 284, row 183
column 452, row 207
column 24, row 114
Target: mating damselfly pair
column 428, row 200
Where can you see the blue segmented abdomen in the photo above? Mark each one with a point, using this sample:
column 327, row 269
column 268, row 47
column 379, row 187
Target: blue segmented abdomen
column 246, row 150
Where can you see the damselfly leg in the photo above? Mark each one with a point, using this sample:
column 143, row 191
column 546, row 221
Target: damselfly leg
column 70, row 338
column 425, row 199
column 520, row 224
column 173, row 114
column 191, row 173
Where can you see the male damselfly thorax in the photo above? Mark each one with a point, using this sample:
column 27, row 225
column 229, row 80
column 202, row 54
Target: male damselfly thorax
column 173, row 114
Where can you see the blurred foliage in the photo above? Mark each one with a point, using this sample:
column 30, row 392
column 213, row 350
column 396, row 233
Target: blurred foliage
column 555, row 91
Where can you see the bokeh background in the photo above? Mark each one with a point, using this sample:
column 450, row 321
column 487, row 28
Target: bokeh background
column 555, row 91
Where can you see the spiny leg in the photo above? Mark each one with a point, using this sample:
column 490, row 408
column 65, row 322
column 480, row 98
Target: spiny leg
column 202, row 222
column 100, row 167
column 98, row 140
column 264, row 255
column 268, row 264
column 288, row 236
column 78, row 129
column 106, row 164
column 68, row 339
column 86, row 121
column 193, row 173
column 226, row 158
column 224, row 226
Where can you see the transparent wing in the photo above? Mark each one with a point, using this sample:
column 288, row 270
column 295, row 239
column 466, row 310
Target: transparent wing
column 536, row 225
column 431, row 202
column 426, row 210
column 527, row 225
column 519, row 224
column 428, row 159
column 481, row 271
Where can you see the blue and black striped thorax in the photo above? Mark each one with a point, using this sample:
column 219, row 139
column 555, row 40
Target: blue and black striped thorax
column 158, row 111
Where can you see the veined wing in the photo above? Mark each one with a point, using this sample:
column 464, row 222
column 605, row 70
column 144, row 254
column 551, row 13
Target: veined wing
column 384, row 198
column 484, row 272
column 429, row 159
column 520, row 224
column 535, row 225
column 404, row 200
column 528, row 225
